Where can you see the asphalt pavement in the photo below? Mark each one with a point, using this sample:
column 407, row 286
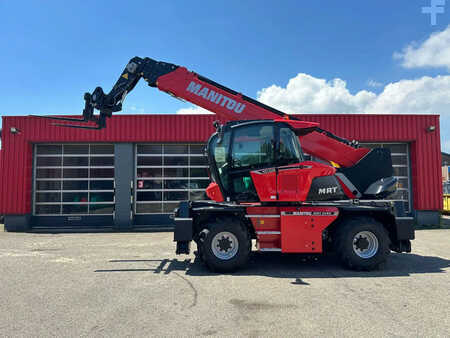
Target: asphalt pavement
column 132, row 284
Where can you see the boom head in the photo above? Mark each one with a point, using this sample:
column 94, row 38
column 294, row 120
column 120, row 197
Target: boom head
column 107, row 104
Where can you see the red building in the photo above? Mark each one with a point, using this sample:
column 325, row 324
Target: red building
column 133, row 173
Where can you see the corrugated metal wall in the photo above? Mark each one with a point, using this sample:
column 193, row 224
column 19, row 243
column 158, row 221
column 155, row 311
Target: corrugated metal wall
column 16, row 160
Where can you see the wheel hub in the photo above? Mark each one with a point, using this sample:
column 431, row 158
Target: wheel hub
column 224, row 245
column 365, row 244
column 362, row 243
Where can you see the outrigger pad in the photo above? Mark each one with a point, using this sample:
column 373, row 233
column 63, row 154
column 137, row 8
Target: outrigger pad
column 183, row 247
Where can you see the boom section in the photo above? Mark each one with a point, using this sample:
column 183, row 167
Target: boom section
column 226, row 103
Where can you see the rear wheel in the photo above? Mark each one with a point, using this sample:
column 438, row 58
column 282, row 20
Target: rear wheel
column 226, row 246
column 362, row 243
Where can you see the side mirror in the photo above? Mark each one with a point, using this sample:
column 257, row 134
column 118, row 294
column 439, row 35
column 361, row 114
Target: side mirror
column 219, row 130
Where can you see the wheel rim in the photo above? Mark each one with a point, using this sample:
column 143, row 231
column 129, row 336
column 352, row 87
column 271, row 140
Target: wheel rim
column 224, row 245
column 365, row 244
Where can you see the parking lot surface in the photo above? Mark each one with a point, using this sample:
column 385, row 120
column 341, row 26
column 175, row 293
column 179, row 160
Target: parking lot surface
column 132, row 284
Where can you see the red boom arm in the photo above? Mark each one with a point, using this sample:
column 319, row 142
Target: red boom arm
column 230, row 105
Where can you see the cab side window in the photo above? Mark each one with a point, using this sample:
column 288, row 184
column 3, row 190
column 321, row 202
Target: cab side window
column 289, row 147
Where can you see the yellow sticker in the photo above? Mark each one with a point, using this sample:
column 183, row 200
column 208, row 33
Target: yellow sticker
column 334, row 164
column 125, row 76
column 261, row 221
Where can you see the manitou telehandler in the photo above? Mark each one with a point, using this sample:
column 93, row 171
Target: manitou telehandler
column 262, row 187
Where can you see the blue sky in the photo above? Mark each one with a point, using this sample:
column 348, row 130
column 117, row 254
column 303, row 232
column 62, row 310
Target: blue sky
column 54, row 51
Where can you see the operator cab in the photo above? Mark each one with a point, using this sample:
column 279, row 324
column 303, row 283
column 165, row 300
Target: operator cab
column 239, row 148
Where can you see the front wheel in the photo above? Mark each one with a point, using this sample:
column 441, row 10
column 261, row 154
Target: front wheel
column 362, row 243
column 226, row 246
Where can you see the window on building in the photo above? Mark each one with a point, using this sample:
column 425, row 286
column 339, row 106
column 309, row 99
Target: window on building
column 167, row 174
column 73, row 179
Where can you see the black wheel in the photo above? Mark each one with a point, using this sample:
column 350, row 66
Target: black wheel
column 361, row 243
column 226, row 245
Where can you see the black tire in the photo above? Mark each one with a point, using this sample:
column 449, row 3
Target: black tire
column 241, row 237
column 368, row 253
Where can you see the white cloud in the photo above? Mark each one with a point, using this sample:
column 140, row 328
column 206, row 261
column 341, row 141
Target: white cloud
column 423, row 95
column 307, row 94
column 135, row 110
column 433, row 52
column 374, row 84
column 193, row 111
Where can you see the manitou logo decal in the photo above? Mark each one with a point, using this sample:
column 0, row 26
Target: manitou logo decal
column 211, row 95
column 330, row 190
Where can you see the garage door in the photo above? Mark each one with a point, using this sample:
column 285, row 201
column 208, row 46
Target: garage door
column 167, row 174
column 73, row 179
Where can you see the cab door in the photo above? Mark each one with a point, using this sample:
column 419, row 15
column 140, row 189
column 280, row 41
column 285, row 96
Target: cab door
column 253, row 147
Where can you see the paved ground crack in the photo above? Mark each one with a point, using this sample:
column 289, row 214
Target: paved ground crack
column 194, row 302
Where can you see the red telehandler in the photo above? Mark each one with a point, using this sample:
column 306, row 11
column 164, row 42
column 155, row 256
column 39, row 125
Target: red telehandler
column 262, row 187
